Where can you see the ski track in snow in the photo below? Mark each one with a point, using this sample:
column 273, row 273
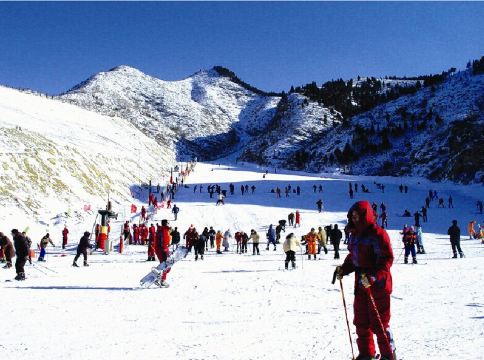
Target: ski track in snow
column 234, row 306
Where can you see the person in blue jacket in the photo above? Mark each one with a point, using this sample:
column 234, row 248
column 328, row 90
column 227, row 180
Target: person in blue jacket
column 271, row 237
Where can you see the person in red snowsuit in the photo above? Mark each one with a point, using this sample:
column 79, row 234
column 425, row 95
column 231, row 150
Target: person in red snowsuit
column 144, row 234
column 162, row 244
column 370, row 257
column 155, row 202
column 135, row 234
column 151, row 241
column 298, row 218
column 143, row 213
column 65, row 232
column 190, row 237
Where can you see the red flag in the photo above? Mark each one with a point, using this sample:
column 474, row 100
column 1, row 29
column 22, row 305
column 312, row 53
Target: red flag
column 133, row 208
column 87, row 207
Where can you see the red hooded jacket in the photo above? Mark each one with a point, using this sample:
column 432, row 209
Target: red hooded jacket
column 370, row 250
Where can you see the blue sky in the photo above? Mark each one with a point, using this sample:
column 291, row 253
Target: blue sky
column 50, row 47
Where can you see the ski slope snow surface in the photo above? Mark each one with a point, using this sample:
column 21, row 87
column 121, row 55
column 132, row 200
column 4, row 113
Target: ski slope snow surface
column 234, row 306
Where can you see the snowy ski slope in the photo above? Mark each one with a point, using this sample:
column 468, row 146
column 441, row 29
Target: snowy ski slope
column 234, row 306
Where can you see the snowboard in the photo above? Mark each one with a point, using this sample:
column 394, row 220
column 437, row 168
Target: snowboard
column 155, row 273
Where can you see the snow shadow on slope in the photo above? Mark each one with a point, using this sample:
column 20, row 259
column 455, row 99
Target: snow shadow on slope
column 76, row 288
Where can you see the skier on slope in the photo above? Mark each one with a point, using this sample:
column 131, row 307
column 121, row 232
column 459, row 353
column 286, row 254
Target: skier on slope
column 471, row 230
column 420, row 245
column 454, row 233
column 211, row 236
column 190, row 237
column 199, row 242
column 43, row 245
column 290, row 246
column 143, row 213
column 370, row 257
column 175, row 238
column 226, row 242
column 65, row 233
column 311, row 238
column 319, row 204
column 245, row 239
column 409, row 240
column 151, row 243
column 238, row 241
column 336, row 236
column 218, row 241
column 8, row 250
column 255, row 241
column 175, row 211
column 22, row 251
column 162, row 250
column 298, row 219
column 206, row 237
column 322, row 238
column 271, row 237
column 82, row 249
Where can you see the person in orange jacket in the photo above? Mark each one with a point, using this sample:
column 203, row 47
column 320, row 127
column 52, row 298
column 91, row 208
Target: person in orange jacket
column 311, row 239
column 218, row 241
column 471, row 230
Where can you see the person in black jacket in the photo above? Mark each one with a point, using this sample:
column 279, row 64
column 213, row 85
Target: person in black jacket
column 22, row 250
column 82, row 249
column 7, row 247
column 211, row 234
column 175, row 237
column 454, row 233
column 336, row 236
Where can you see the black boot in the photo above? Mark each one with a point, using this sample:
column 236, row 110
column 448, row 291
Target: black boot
column 293, row 264
column 85, row 263
column 414, row 261
column 405, row 261
column 314, row 256
column 461, row 254
column 75, row 264
column 455, row 256
column 286, row 264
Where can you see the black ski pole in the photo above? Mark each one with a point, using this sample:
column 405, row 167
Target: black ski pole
column 346, row 312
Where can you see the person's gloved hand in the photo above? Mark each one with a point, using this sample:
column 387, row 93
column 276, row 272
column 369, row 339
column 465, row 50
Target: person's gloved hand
column 339, row 272
column 367, row 281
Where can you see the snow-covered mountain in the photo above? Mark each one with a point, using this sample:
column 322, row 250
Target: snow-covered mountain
column 205, row 114
column 434, row 132
column 56, row 156
column 297, row 124
column 437, row 132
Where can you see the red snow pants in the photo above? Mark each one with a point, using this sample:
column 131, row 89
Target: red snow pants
column 162, row 256
column 367, row 324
